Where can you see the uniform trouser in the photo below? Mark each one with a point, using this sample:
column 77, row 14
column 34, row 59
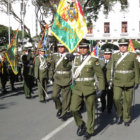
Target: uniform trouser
column 109, row 103
column 63, row 104
column 76, row 102
column 28, row 84
column 43, row 82
column 12, row 79
column 123, row 100
column 3, row 81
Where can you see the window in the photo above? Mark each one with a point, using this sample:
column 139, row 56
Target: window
column 89, row 30
column 106, row 27
column 124, row 27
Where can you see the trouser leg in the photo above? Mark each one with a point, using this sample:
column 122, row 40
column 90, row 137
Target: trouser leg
column 66, row 98
column 128, row 96
column 90, row 108
column 75, row 106
column 118, row 100
column 56, row 96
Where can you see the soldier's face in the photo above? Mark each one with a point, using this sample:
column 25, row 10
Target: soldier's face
column 123, row 48
column 61, row 49
column 42, row 53
column 107, row 56
column 83, row 51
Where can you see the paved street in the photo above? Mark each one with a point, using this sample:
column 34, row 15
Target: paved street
column 28, row 119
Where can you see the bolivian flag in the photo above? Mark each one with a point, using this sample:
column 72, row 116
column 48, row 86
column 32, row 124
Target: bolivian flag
column 131, row 47
column 69, row 25
column 12, row 52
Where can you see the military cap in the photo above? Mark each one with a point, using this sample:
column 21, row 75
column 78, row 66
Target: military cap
column 123, row 41
column 42, row 49
column 60, row 45
column 107, row 51
column 84, row 44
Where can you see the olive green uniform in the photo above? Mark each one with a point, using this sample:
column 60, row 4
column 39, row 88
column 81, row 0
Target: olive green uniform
column 3, row 73
column 62, row 81
column 107, row 92
column 28, row 73
column 41, row 73
column 125, row 75
column 84, row 89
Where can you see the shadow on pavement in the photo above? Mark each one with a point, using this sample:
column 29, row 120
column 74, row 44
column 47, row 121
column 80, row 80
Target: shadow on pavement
column 7, row 105
column 135, row 112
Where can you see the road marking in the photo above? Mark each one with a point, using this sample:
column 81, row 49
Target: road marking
column 51, row 134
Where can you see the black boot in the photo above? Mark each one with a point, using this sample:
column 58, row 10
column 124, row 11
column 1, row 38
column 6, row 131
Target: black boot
column 119, row 120
column 87, row 136
column 81, row 130
column 59, row 112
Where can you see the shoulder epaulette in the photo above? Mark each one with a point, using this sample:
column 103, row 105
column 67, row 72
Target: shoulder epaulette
column 116, row 52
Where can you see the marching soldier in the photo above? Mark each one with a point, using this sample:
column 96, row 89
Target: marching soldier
column 107, row 92
column 28, row 73
column 3, row 71
column 11, row 77
column 62, row 82
column 124, row 73
column 41, row 74
column 85, row 67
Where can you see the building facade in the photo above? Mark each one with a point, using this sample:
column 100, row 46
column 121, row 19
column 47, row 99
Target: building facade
column 117, row 24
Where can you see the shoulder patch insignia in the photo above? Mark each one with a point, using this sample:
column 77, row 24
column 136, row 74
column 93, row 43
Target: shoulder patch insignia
column 97, row 63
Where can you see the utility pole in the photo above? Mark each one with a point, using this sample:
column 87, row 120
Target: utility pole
column 9, row 10
column 22, row 12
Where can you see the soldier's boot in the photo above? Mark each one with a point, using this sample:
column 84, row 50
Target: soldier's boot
column 58, row 114
column 81, row 130
column 87, row 136
column 4, row 91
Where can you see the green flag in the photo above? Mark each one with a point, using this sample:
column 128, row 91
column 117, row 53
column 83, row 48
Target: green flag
column 69, row 25
column 12, row 52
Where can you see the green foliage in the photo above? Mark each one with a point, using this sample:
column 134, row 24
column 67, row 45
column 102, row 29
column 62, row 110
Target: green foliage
column 136, row 44
column 4, row 34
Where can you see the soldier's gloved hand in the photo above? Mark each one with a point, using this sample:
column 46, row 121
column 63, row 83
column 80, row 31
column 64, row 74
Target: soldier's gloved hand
column 110, row 85
column 99, row 93
column 70, row 56
column 48, row 64
column 36, row 78
column 136, row 86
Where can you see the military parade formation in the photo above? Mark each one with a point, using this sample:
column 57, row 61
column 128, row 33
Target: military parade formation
column 79, row 80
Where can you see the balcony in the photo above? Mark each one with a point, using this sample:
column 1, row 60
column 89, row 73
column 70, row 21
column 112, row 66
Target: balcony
column 124, row 34
column 106, row 35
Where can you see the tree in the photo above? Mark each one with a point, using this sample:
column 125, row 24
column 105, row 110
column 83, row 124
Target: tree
column 91, row 8
column 4, row 34
column 4, row 9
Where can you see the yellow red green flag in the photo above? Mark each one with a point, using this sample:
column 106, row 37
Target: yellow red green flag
column 12, row 52
column 131, row 47
column 69, row 25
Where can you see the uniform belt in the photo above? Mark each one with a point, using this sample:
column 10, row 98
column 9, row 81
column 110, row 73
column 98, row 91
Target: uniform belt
column 62, row 72
column 30, row 65
column 84, row 79
column 124, row 71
